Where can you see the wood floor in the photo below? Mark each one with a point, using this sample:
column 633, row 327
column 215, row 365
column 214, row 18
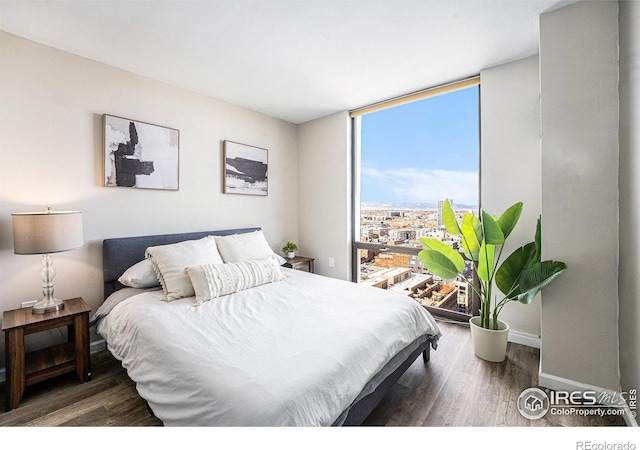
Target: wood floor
column 454, row 389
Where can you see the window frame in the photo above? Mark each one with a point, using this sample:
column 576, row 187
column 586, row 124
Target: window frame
column 356, row 244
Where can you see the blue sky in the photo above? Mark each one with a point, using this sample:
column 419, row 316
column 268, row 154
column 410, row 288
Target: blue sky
column 423, row 151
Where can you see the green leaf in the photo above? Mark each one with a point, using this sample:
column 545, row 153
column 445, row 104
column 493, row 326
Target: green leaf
column 449, row 220
column 541, row 274
column 491, row 230
column 536, row 277
column 527, row 297
column 485, row 261
column 454, row 256
column 509, row 219
column 471, row 236
column 538, row 241
column 438, row 264
column 508, row 274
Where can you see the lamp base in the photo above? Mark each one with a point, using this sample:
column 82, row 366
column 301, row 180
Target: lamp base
column 47, row 305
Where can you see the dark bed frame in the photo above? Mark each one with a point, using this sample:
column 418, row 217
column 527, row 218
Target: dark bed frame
column 118, row 254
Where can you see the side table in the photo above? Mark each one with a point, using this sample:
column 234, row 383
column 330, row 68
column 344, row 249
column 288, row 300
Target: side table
column 25, row 369
column 299, row 262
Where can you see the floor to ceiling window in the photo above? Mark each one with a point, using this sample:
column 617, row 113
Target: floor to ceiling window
column 410, row 155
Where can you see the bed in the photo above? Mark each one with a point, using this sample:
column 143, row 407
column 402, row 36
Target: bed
column 248, row 342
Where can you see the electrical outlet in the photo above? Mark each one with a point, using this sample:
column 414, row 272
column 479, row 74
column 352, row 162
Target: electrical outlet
column 332, row 262
column 28, row 304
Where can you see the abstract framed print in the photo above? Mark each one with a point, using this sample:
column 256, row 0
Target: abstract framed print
column 140, row 155
column 245, row 169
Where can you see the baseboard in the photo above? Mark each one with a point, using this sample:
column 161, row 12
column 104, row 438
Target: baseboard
column 97, row 346
column 94, row 347
column 519, row 337
column 556, row 383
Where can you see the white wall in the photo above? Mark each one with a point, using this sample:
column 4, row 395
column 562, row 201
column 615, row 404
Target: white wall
column 510, row 170
column 579, row 113
column 324, row 171
column 629, row 194
column 51, row 106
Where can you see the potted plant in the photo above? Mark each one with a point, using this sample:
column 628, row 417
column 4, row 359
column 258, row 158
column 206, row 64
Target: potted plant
column 289, row 249
column 519, row 278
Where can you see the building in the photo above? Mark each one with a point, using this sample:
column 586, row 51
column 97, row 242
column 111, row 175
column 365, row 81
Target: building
column 440, row 209
column 463, row 296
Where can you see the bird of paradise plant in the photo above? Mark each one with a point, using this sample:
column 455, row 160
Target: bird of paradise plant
column 520, row 277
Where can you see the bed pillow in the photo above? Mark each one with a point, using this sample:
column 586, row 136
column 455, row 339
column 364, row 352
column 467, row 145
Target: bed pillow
column 245, row 247
column 170, row 261
column 141, row 275
column 211, row 280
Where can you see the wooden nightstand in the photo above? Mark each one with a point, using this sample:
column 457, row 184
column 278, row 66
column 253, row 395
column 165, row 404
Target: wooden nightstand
column 25, row 369
column 299, row 262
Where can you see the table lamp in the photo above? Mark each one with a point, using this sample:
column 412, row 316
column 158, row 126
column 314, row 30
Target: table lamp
column 44, row 233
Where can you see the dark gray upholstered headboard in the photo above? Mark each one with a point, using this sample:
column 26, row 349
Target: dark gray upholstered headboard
column 118, row 254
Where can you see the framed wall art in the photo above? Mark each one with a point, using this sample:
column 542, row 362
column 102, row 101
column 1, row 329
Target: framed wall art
column 245, row 169
column 140, row 155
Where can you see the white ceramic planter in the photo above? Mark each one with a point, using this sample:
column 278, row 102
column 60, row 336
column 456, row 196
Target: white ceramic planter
column 291, row 255
column 490, row 345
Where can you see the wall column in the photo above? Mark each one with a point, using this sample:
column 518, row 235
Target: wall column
column 579, row 116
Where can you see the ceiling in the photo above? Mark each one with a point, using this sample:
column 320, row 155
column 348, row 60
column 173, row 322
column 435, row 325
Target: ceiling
column 292, row 59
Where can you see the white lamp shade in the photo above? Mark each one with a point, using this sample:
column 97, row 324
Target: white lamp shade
column 46, row 232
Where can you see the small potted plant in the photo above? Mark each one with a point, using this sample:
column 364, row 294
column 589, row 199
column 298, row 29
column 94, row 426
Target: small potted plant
column 289, row 249
column 520, row 277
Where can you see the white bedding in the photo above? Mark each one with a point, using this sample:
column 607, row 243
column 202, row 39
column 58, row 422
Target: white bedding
column 292, row 353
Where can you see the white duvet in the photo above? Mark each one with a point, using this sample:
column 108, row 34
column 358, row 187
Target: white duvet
column 292, row 353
